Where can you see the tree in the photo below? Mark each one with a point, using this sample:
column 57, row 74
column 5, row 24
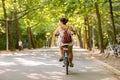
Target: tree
column 89, row 33
column 85, row 39
column 99, row 27
column 16, row 21
column 6, row 22
column 113, row 23
column 79, row 35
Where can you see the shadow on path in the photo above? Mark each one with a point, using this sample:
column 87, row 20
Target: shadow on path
column 43, row 65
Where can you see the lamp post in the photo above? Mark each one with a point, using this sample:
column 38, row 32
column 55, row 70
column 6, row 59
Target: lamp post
column 93, row 31
column 7, row 43
column 93, row 37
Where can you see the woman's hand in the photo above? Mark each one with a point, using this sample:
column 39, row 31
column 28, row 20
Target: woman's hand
column 56, row 34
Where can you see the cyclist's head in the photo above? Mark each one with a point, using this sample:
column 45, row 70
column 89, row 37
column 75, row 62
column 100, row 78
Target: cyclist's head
column 63, row 20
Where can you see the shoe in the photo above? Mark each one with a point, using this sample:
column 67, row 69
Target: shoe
column 71, row 65
column 61, row 59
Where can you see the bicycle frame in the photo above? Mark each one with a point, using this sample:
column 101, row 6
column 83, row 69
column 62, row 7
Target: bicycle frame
column 65, row 50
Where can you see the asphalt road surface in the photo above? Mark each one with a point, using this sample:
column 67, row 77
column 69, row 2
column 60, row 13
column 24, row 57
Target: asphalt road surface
column 42, row 64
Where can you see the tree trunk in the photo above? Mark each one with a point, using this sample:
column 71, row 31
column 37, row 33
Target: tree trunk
column 11, row 41
column 32, row 39
column 6, row 24
column 113, row 23
column 29, row 38
column 16, row 22
column 89, row 34
column 85, row 39
column 52, row 41
column 99, row 28
column 79, row 37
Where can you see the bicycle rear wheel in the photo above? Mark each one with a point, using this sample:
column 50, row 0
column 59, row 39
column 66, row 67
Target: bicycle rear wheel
column 67, row 64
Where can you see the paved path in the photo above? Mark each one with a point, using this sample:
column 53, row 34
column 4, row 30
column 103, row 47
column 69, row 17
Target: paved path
column 42, row 64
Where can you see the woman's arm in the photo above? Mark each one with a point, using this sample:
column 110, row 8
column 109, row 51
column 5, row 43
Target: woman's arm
column 74, row 32
column 56, row 32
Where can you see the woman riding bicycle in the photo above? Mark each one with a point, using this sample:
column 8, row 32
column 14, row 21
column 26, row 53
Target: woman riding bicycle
column 59, row 31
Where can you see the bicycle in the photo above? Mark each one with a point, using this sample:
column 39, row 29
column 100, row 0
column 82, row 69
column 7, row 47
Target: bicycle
column 66, row 58
column 113, row 50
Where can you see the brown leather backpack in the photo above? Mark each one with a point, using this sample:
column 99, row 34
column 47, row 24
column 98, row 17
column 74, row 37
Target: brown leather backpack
column 66, row 38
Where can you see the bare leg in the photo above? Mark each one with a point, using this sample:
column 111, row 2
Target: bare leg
column 70, row 53
column 61, row 53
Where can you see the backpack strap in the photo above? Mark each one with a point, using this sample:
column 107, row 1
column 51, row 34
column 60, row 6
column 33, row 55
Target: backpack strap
column 68, row 28
column 65, row 30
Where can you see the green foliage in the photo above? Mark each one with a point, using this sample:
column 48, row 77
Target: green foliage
column 2, row 42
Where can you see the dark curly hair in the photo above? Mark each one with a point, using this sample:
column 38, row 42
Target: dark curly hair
column 64, row 20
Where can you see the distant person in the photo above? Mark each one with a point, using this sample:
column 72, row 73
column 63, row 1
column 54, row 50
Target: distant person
column 25, row 43
column 20, row 45
column 60, row 31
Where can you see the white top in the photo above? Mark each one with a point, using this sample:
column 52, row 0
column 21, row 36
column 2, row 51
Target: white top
column 19, row 43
